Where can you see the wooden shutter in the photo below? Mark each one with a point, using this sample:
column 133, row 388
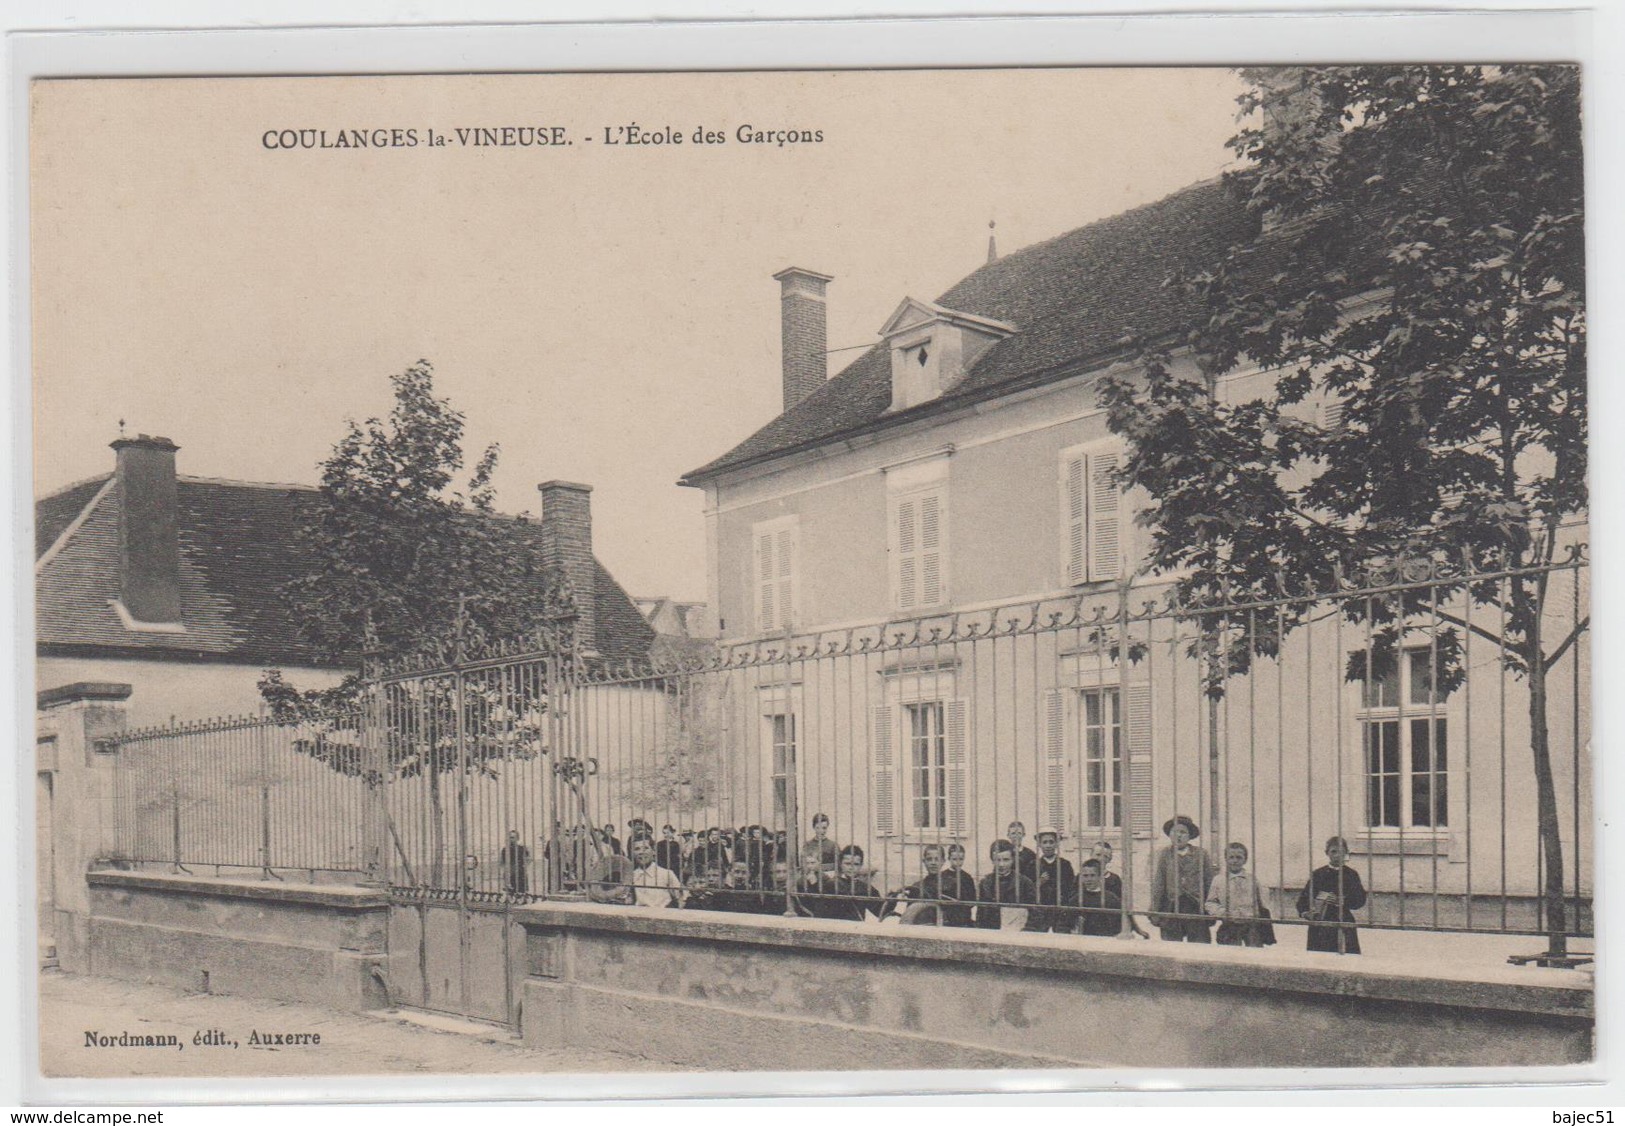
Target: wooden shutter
column 931, row 576
column 767, row 603
column 1333, row 412
column 1055, row 758
column 1137, row 740
column 1074, row 520
column 1105, row 518
column 785, row 577
column 955, row 713
column 883, row 768
column 907, row 562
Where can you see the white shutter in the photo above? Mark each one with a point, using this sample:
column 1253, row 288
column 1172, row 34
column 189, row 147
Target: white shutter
column 766, row 600
column 1105, row 518
column 785, row 578
column 1055, row 758
column 1074, row 524
column 958, row 738
column 931, row 587
column 1136, row 721
column 1333, row 412
column 908, row 584
column 883, row 768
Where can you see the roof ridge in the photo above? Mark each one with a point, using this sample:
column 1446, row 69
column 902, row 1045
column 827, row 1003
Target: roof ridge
column 72, row 485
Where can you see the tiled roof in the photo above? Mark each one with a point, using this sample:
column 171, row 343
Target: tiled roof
column 53, row 513
column 1073, row 300
column 239, row 547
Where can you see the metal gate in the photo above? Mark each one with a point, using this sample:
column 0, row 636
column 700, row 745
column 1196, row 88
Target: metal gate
column 470, row 748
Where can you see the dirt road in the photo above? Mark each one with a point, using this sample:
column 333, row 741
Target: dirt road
column 207, row 1035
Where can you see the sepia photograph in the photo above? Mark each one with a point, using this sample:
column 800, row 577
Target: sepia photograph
column 1073, row 568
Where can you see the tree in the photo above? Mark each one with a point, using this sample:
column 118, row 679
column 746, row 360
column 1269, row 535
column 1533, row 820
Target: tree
column 406, row 567
column 1419, row 266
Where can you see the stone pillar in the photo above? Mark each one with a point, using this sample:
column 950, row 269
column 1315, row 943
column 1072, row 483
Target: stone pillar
column 76, row 774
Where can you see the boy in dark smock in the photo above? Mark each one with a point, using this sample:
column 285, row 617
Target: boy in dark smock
column 1333, row 893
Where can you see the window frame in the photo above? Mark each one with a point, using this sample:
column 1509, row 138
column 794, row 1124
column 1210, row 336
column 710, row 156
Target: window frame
column 1371, row 714
column 776, row 528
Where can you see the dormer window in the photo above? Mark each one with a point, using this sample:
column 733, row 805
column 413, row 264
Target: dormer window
column 934, row 348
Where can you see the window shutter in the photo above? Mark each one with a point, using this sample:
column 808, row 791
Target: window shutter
column 884, row 788
column 958, row 733
column 1137, row 739
column 1074, row 524
column 785, row 594
column 907, row 575
column 931, row 550
column 1105, row 519
column 766, row 602
column 1333, row 412
column 1055, row 758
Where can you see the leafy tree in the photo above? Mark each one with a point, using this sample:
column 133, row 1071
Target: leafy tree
column 408, row 567
column 1419, row 267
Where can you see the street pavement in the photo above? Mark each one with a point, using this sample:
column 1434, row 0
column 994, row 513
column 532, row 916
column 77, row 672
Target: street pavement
column 350, row 1043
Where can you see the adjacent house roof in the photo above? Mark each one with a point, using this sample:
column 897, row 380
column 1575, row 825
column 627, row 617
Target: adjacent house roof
column 239, row 545
column 1072, row 300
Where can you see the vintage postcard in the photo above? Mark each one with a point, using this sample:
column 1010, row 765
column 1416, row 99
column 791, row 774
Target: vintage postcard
column 1072, row 568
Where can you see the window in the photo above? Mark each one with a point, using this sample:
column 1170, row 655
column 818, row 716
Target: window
column 927, row 765
column 782, row 743
column 918, row 758
column 1092, row 513
column 919, row 535
column 1100, row 738
column 1098, row 758
column 776, row 548
column 1406, row 743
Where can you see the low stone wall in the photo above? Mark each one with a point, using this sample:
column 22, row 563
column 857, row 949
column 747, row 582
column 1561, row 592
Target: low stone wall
column 763, row 993
column 289, row 942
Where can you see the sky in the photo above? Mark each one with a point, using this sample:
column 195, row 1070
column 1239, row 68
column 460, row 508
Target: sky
column 605, row 312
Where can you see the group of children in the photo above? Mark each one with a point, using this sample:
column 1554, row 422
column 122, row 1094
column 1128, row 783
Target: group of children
column 748, row 872
column 1189, row 894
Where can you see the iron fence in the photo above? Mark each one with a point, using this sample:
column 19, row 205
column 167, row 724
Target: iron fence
column 1433, row 721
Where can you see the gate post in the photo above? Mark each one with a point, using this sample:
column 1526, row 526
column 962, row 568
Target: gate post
column 375, row 821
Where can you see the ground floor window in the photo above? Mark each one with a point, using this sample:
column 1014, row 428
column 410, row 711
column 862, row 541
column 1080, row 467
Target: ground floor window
column 1406, row 743
column 927, row 765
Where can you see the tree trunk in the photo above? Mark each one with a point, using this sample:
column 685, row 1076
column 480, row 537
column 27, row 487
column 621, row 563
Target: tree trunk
column 1551, row 841
column 437, row 833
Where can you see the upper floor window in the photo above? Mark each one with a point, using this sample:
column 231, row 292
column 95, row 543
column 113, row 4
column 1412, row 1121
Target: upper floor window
column 917, row 548
column 776, row 548
column 1092, row 512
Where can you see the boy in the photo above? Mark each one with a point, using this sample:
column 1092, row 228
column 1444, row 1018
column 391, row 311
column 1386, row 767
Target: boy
column 1332, row 893
column 1100, row 912
column 1181, row 877
column 1113, row 883
column 1004, row 885
column 1233, row 898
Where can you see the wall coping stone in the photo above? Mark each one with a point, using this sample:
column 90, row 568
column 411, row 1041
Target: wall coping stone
column 1527, row 989
column 80, row 691
column 314, row 895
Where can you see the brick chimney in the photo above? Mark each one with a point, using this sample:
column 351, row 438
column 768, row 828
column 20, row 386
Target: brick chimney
column 149, row 542
column 802, row 335
column 567, row 540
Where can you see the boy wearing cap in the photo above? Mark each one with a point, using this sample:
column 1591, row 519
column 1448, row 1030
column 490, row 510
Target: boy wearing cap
column 1179, row 883
column 1057, row 885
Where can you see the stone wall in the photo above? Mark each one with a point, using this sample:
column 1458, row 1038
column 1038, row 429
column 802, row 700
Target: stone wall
column 287, row 942
column 762, row 993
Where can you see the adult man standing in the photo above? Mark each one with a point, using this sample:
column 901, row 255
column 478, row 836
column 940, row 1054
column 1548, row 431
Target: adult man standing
column 1056, row 884
column 514, row 864
column 652, row 885
column 1004, row 885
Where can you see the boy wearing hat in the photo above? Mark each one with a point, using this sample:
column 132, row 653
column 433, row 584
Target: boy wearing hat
column 1057, row 885
column 1179, row 884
